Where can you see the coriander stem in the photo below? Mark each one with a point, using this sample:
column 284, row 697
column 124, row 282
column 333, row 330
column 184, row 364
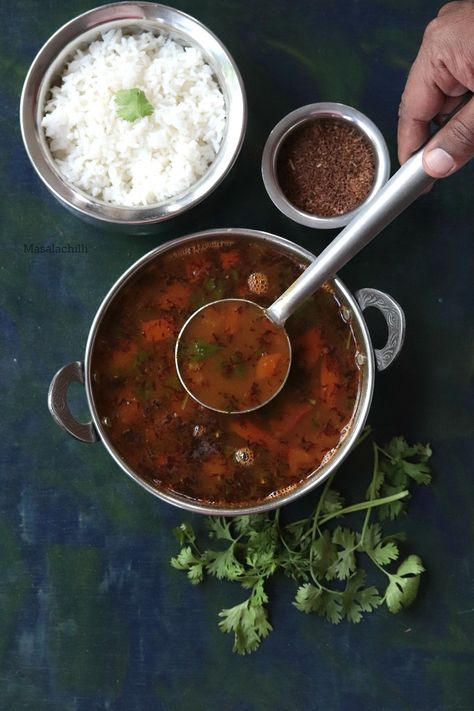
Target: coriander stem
column 315, row 526
column 385, row 454
column 196, row 550
column 365, row 433
column 374, row 470
column 324, row 588
column 361, row 506
column 280, row 532
column 320, row 503
column 315, row 515
column 371, row 496
column 379, row 567
column 285, row 544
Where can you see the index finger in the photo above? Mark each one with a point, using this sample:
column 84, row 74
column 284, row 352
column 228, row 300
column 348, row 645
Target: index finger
column 421, row 101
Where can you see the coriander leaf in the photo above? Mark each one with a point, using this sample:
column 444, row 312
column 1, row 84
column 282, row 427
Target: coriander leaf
column 184, row 533
column 392, row 510
column 239, row 369
column 250, row 523
column 344, row 537
column 186, row 560
column 219, row 528
column 200, row 350
column 223, row 564
column 324, row 552
column 331, row 607
column 357, row 599
column 401, row 462
column 214, row 287
column 381, row 551
column 419, row 472
column 398, row 448
column 293, row 532
column 372, row 537
column 294, row 564
column 262, row 541
column 401, row 592
column 403, row 586
column 262, row 562
column 196, row 574
column 345, row 563
column 385, row 552
column 402, row 456
column 308, row 598
column 332, row 502
column 412, row 565
column 259, row 596
column 377, row 483
column 132, row 104
column 209, row 284
column 248, row 621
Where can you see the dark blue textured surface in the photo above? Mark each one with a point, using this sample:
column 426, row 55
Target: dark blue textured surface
column 92, row 616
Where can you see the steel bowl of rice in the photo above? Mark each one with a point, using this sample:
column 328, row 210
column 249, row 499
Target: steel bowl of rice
column 132, row 113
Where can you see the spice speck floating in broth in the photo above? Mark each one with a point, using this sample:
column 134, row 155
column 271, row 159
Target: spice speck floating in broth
column 326, row 167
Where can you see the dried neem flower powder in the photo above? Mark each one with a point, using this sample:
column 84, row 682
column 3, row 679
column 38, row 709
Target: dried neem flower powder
column 326, row 167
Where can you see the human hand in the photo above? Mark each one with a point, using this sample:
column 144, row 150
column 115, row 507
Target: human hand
column 441, row 73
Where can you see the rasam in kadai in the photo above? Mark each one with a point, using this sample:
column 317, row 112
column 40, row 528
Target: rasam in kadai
column 175, row 444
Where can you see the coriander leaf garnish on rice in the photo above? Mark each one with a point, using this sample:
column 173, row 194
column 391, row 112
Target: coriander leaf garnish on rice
column 132, row 104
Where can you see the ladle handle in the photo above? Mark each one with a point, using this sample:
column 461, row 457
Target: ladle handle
column 401, row 190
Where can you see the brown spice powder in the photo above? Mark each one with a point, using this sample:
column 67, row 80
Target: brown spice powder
column 326, row 167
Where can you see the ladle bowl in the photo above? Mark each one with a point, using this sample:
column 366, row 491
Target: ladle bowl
column 263, row 370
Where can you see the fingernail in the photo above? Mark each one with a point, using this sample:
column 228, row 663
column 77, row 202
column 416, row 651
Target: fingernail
column 439, row 163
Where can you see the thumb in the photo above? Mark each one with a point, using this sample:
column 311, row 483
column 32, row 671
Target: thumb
column 452, row 146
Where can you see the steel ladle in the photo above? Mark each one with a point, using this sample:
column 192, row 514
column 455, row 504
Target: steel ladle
column 410, row 181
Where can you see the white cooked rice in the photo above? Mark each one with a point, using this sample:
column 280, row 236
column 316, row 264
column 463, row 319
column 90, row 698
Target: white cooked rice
column 153, row 158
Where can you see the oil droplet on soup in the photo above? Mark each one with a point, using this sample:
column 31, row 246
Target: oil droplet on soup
column 231, row 357
column 180, row 447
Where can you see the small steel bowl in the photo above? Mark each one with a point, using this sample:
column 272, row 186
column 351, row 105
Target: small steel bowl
column 295, row 120
column 81, row 31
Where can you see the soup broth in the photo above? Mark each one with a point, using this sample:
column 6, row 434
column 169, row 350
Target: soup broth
column 176, row 445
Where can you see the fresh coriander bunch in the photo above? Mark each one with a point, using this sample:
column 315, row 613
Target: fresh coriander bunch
column 330, row 562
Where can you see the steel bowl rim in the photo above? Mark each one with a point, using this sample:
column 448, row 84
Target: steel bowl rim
column 77, row 200
column 295, row 119
column 317, row 477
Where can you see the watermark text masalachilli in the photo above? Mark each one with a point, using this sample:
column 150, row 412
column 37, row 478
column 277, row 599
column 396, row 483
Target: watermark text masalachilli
column 52, row 248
